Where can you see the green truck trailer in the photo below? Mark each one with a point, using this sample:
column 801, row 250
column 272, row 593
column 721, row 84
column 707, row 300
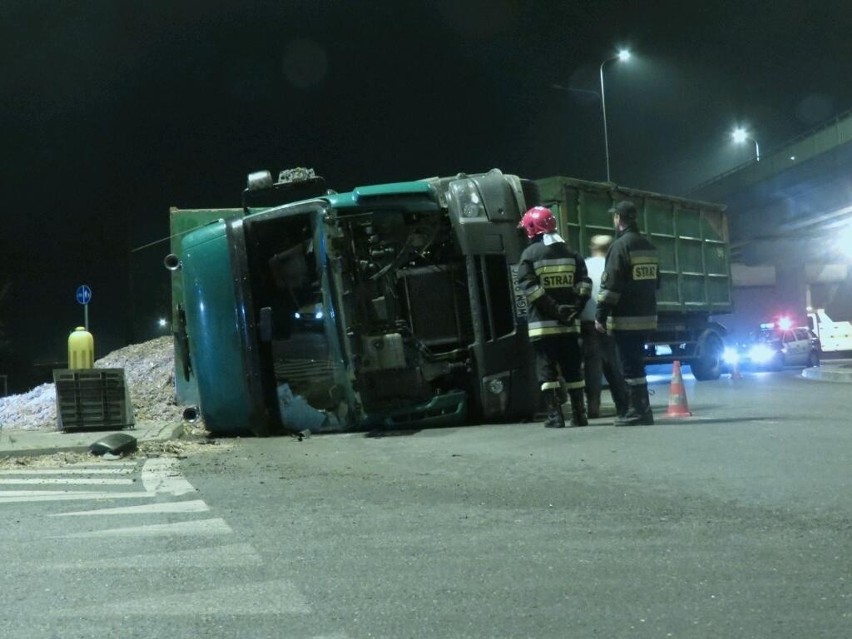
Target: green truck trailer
column 695, row 275
column 396, row 305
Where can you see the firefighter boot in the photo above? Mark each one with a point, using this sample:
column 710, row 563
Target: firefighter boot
column 594, row 404
column 621, row 399
column 639, row 410
column 562, row 397
column 553, row 405
column 578, row 407
column 643, row 406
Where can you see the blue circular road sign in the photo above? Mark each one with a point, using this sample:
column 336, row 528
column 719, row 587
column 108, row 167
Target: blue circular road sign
column 84, row 294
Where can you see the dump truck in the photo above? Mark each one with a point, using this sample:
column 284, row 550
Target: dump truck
column 692, row 239
column 385, row 307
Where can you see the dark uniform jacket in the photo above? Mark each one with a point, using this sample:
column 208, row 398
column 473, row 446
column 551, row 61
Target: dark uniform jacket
column 628, row 291
column 549, row 277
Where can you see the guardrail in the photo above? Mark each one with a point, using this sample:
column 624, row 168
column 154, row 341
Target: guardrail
column 803, row 147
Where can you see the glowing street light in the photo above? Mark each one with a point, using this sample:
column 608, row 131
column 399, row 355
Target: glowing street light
column 622, row 55
column 740, row 135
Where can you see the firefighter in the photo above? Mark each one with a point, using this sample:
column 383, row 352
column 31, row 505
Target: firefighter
column 600, row 358
column 627, row 306
column 554, row 280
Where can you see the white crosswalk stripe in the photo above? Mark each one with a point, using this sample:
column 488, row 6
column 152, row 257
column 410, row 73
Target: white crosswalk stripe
column 239, row 555
column 279, row 596
column 140, row 536
column 159, row 476
column 124, row 470
column 25, row 496
column 76, row 481
column 194, row 506
column 215, row 526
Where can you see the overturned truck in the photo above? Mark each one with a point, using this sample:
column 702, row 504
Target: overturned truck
column 389, row 306
column 396, row 305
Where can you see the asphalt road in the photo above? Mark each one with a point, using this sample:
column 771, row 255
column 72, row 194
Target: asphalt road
column 734, row 522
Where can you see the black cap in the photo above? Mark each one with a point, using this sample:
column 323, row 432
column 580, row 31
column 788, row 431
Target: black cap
column 625, row 209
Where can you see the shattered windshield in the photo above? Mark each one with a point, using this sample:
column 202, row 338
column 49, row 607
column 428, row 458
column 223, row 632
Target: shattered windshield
column 289, row 254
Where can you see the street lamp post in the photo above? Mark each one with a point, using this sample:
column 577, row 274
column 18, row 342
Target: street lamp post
column 740, row 135
column 624, row 54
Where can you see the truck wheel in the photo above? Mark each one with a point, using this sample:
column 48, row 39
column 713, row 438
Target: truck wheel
column 709, row 366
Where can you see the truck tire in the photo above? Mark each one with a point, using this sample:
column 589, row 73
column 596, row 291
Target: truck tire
column 709, row 366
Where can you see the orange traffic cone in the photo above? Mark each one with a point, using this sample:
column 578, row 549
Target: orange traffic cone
column 677, row 395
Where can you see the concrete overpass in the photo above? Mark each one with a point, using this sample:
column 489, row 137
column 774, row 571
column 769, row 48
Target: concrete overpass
column 790, row 216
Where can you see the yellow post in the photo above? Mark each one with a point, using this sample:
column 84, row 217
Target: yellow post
column 81, row 349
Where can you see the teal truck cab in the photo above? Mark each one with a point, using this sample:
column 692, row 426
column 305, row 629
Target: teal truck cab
column 389, row 306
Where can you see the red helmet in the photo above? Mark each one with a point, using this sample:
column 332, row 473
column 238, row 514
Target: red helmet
column 538, row 220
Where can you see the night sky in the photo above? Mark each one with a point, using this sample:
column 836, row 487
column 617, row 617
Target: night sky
column 113, row 111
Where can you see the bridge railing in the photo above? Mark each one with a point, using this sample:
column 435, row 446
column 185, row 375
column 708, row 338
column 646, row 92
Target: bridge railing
column 803, row 147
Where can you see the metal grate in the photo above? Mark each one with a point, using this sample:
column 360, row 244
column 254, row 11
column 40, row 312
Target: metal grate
column 92, row 399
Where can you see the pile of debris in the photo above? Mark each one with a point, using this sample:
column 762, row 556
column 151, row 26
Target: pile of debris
column 149, row 374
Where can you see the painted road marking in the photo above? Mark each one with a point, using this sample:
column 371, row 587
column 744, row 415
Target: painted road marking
column 225, row 556
column 91, row 481
column 194, row 506
column 25, row 496
column 215, row 526
column 161, row 476
column 72, row 471
column 280, row 596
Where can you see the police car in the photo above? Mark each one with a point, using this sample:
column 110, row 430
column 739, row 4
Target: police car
column 776, row 345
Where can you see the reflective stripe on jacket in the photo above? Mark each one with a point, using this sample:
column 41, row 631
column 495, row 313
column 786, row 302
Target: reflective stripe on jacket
column 552, row 276
column 627, row 300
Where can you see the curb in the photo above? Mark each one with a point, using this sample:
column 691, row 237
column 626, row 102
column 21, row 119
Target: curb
column 831, row 375
column 19, row 447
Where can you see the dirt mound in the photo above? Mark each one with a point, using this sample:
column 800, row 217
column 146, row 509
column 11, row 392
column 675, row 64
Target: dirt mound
column 149, row 374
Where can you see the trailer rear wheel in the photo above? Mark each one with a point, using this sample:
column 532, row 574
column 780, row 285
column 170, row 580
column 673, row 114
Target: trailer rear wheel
column 709, row 365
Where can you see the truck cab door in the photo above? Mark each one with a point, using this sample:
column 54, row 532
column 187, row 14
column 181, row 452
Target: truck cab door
column 485, row 210
column 182, row 222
